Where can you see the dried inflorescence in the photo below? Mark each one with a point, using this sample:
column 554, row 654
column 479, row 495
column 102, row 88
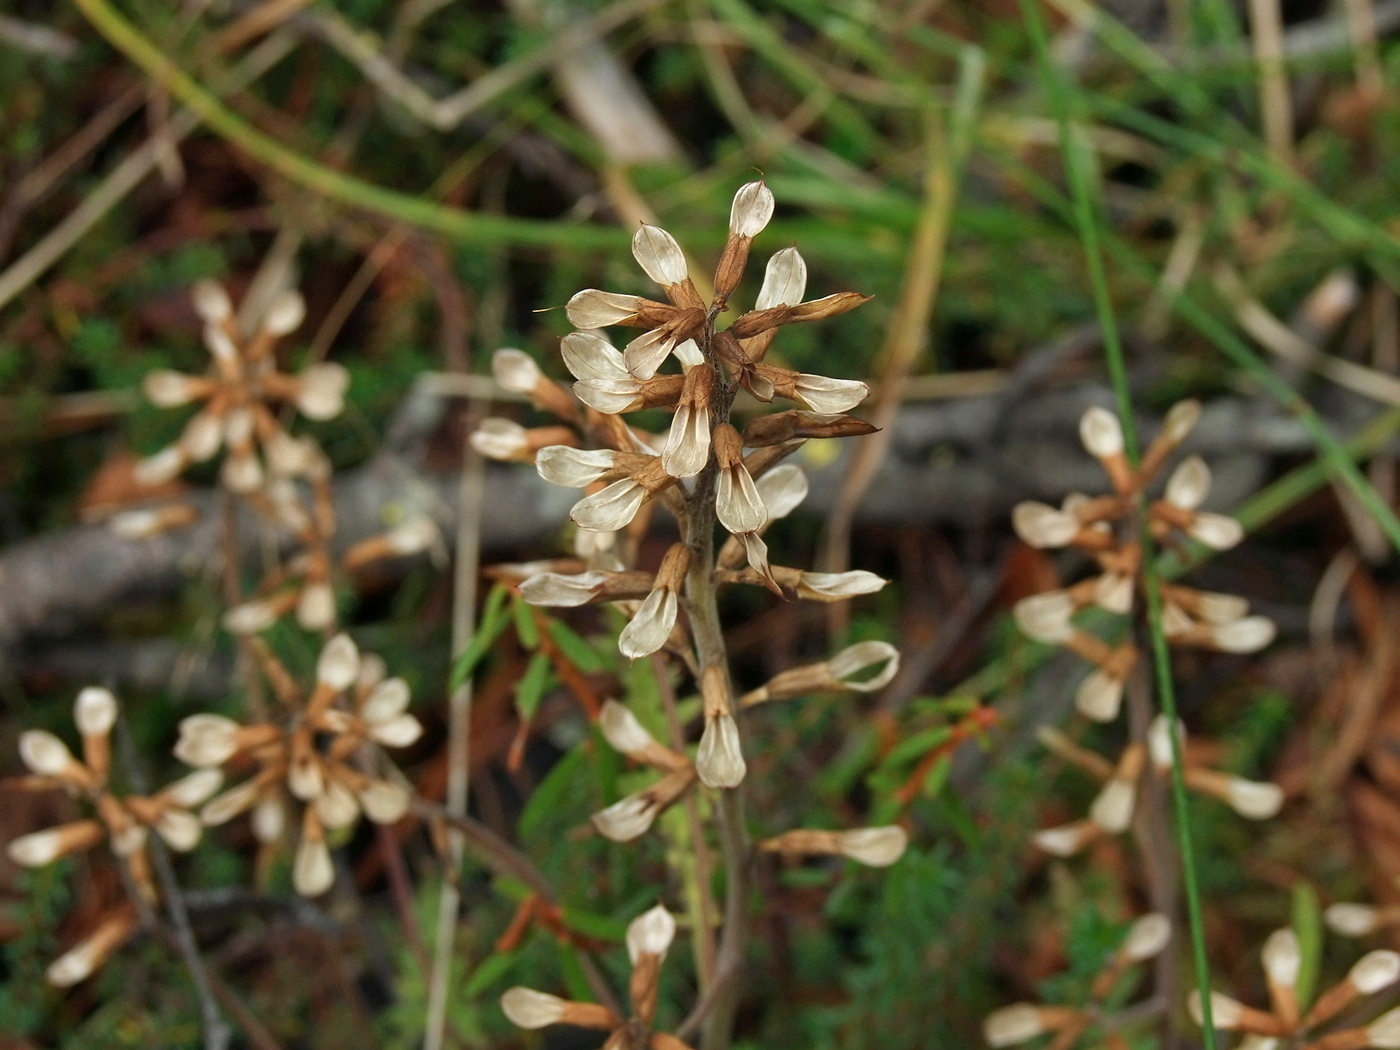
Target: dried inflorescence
column 1289, row 1024
column 1109, row 529
column 285, row 480
column 316, row 752
column 1022, row 1022
column 304, row 584
column 649, row 938
column 705, row 471
column 1113, row 808
column 240, row 395
column 122, row 821
column 624, row 470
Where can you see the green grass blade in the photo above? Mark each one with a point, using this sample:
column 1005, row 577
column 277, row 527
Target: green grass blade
column 1083, row 184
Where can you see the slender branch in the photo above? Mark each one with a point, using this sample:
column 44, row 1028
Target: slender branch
column 217, row 1034
column 505, row 860
column 703, row 904
column 459, row 725
column 702, row 611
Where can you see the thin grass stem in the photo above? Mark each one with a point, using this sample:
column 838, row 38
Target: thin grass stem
column 1083, row 185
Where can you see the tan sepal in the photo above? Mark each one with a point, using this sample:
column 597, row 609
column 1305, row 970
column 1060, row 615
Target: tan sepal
column 828, row 306
column 730, row 270
column 714, row 689
column 642, row 987
column 674, row 566
column 589, row 1015
column 728, row 446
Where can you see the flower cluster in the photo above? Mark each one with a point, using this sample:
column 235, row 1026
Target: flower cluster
column 649, row 938
column 1109, row 528
column 285, row 480
column 1112, row 809
column 239, row 396
column 706, row 472
column 304, row 584
column 315, row 753
column 122, row 821
column 625, row 470
column 1289, row 1023
column 1022, row 1022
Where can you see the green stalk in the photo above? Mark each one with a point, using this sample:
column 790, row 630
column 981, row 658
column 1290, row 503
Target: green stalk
column 1083, row 184
column 1339, row 462
column 462, row 226
column 1332, row 450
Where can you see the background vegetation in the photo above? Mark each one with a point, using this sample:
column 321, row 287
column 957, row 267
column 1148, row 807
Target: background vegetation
column 1250, row 239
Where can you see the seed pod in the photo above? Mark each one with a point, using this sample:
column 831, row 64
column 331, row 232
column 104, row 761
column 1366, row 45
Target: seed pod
column 312, row 870
column 784, row 427
column 719, row 760
column 1022, row 1022
column 44, row 847
column 1181, row 420
column 651, row 626
column 819, row 393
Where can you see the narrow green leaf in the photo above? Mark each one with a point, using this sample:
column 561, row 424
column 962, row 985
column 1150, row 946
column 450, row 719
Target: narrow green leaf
column 580, row 653
column 493, row 621
column 488, row 972
column 525, row 627
column 1307, row 924
column 539, row 675
column 551, row 797
column 916, row 746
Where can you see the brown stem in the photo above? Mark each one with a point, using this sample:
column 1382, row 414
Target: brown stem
column 215, row 1031
column 702, row 611
column 233, row 596
column 705, row 931
column 1152, row 829
column 504, row 859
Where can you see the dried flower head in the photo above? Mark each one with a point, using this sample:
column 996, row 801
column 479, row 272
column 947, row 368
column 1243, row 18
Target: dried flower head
column 1019, row 1023
column 315, row 753
column 239, row 396
column 1285, row 1021
column 121, row 821
column 648, row 939
column 1108, row 529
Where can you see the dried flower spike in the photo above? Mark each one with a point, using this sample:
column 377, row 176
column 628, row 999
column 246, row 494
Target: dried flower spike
column 1109, row 530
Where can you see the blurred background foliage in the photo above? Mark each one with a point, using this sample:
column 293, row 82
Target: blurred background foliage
column 844, row 106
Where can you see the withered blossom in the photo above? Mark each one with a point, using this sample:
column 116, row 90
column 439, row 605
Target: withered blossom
column 1112, row 810
column 631, row 816
column 649, row 938
column 311, row 753
column 1286, row 1024
column 1019, row 1023
column 1107, row 528
column 873, row 847
column 121, row 821
column 240, row 395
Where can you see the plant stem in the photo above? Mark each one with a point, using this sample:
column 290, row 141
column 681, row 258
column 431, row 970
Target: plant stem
column 1082, row 180
column 702, row 610
column 215, row 1031
column 699, row 879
